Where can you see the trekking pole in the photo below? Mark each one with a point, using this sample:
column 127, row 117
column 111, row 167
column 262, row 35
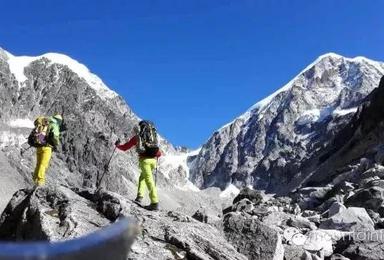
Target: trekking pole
column 98, row 183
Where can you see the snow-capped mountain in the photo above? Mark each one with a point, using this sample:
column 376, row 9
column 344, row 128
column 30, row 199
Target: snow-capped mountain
column 269, row 144
column 17, row 65
column 94, row 114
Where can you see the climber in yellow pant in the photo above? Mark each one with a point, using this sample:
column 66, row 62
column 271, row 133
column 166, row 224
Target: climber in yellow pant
column 43, row 157
column 45, row 137
column 147, row 165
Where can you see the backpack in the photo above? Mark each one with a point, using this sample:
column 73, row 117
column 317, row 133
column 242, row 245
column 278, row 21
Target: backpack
column 148, row 142
column 39, row 135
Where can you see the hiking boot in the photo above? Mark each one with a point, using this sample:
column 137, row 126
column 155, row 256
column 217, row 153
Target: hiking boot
column 152, row 206
column 139, row 199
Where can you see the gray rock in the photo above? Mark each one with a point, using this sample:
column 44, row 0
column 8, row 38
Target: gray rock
column 370, row 198
column 244, row 205
column 311, row 197
column 365, row 182
column 254, row 196
column 377, row 182
column 173, row 235
column 379, row 157
column 275, row 218
column 362, row 245
column 289, row 233
column 200, row 215
column 379, row 224
column 311, row 256
column 351, row 219
column 200, row 244
column 261, row 211
column 293, row 252
column 335, row 208
column 298, row 239
column 300, row 222
column 10, row 181
column 339, row 257
column 308, row 213
column 315, row 219
column 327, row 204
column 252, row 238
column 380, row 210
column 319, row 241
column 48, row 213
column 376, row 171
column 108, row 204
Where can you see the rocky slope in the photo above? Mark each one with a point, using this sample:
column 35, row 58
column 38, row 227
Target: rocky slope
column 57, row 213
column 11, row 180
column 272, row 143
column 255, row 226
column 95, row 117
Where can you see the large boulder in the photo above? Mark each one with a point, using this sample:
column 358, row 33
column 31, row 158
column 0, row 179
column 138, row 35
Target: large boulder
column 376, row 171
column 10, row 181
column 362, row 245
column 108, row 204
column 301, row 223
column 351, row 219
column 201, row 215
column 174, row 235
column 371, row 197
column 276, row 218
column 254, row 196
column 336, row 208
column 49, row 213
column 319, row 241
column 244, row 205
column 252, row 238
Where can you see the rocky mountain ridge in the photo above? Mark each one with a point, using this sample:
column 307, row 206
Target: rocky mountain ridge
column 268, row 145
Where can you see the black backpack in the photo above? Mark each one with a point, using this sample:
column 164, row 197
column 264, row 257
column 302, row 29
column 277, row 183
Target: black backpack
column 148, row 144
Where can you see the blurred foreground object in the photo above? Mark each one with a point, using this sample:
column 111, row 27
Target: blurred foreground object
column 112, row 242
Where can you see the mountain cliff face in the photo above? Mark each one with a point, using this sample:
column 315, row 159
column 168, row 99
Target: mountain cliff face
column 360, row 142
column 273, row 141
column 94, row 115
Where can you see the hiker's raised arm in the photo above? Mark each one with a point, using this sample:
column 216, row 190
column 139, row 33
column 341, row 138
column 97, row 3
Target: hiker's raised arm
column 128, row 145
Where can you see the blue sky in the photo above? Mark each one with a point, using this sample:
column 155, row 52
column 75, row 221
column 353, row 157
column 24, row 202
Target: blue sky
column 192, row 66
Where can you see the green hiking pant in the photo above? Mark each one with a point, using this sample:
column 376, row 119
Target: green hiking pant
column 147, row 165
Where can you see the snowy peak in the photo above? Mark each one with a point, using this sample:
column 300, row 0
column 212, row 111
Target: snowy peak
column 17, row 64
column 326, row 62
column 269, row 143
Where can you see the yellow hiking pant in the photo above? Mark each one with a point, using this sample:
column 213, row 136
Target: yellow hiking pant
column 147, row 166
column 43, row 157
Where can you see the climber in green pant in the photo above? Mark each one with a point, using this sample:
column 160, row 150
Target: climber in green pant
column 146, row 142
column 147, row 165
